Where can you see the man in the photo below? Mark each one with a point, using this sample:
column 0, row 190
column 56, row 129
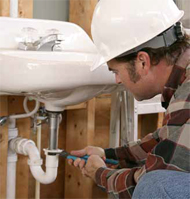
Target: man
column 147, row 50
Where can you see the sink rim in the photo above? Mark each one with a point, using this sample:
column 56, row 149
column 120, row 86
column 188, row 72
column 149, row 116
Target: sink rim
column 40, row 55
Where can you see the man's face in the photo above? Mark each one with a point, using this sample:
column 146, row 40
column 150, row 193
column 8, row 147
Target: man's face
column 139, row 82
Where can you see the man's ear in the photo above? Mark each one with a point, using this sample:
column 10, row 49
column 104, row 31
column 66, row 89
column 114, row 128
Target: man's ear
column 143, row 63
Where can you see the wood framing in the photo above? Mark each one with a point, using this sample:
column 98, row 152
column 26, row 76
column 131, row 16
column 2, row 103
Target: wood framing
column 78, row 106
column 79, row 134
column 160, row 119
column 148, row 123
column 81, row 12
column 4, row 8
column 86, row 127
column 25, row 8
column 3, row 148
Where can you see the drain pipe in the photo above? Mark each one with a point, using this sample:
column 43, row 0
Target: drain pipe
column 53, row 130
column 28, row 148
column 12, row 156
column 11, row 161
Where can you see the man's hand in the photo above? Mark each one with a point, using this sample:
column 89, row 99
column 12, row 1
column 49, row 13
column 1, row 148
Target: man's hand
column 93, row 164
column 89, row 150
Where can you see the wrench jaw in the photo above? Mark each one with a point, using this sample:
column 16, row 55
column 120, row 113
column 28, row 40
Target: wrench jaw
column 64, row 154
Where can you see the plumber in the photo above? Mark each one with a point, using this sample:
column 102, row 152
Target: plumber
column 145, row 46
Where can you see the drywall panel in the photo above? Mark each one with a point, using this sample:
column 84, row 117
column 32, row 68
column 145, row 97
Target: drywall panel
column 51, row 9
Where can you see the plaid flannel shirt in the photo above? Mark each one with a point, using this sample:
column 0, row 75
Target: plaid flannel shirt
column 166, row 148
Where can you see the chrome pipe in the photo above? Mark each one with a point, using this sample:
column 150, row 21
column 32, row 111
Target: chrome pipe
column 53, row 130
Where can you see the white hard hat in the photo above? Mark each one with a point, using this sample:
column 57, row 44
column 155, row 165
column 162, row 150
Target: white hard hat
column 121, row 25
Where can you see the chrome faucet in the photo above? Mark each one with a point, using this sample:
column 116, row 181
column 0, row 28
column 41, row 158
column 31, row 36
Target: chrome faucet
column 50, row 42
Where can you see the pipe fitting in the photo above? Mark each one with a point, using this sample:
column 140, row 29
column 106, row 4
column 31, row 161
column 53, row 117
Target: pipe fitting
column 51, row 170
column 28, row 147
column 19, row 145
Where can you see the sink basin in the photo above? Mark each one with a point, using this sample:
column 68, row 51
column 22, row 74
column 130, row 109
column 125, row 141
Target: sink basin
column 57, row 79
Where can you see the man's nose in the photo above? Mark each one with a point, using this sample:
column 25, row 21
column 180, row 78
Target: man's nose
column 117, row 79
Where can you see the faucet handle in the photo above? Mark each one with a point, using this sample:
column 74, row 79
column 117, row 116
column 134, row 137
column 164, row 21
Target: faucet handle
column 29, row 35
column 52, row 31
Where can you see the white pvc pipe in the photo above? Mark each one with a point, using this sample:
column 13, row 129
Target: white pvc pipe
column 13, row 8
column 11, row 163
column 19, row 116
column 51, row 171
column 28, row 147
column 51, row 165
column 26, row 99
column 11, row 179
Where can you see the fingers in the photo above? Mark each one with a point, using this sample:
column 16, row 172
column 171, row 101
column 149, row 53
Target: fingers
column 77, row 162
column 104, row 158
column 89, row 150
column 84, row 173
column 82, row 164
column 78, row 153
column 74, row 163
column 70, row 161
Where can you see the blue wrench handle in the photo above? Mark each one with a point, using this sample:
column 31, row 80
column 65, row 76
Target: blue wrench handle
column 75, row 157
column 108, row 161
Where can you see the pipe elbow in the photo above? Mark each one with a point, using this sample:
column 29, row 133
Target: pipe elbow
column 51, row 170
column 44, row 177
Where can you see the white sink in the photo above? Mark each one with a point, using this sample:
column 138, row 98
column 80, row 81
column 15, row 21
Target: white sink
column 57, row 79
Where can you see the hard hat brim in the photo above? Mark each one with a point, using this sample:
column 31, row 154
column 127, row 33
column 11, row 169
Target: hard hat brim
column 98, row 62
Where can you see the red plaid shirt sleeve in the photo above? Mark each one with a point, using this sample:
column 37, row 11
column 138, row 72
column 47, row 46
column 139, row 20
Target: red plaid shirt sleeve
column 117, row 182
